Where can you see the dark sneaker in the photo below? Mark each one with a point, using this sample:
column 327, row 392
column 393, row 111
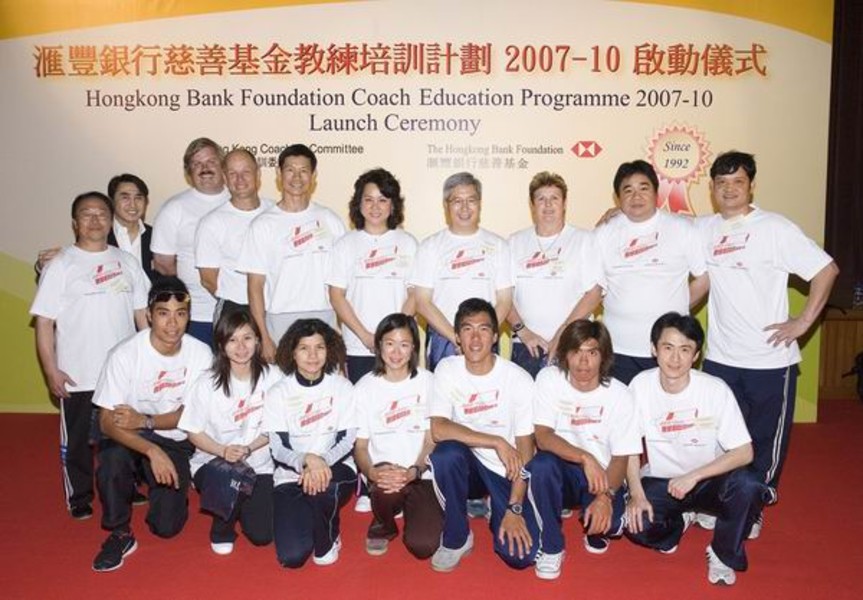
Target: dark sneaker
column 138, row 498
column 478, row 509
column 596, row 544
column 119, row 545
column 377, row 546
column 82, row 512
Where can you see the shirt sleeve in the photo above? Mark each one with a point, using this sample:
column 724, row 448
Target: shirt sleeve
column 195, row 402
column 114, row 381
column 208, row 243
column 337, row 275
column 253, row 252
column 48, row 300
column 693, row 249
column 544, row 412
column 798, row 254
column 525, row 398
column 422, row 274
column 626, row 438
column 141, row 285
column 166, row 230
column 503, row 279
column 731, row 430
column 440, row 404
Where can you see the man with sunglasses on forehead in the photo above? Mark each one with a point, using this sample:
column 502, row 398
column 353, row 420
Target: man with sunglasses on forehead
column 140, row 393
column 90, row 297
column 174, row 229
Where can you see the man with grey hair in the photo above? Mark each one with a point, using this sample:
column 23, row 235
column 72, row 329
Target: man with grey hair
column 173, row 243
column 459, row 262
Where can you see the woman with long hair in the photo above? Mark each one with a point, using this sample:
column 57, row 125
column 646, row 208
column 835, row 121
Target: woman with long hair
column 222, row 414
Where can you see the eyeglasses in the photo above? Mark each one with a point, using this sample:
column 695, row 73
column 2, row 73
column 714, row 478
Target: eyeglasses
column 472, row 202
column 168, row 295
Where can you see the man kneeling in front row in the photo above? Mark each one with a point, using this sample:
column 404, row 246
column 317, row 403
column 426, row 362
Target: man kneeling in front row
column 586, row 430
column 697, row 447
column 140, row 394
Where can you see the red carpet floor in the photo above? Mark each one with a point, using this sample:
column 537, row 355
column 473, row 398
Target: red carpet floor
column 811, row 546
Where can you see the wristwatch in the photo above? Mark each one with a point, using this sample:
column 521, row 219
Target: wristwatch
column 515, row 507
column 517, row 327
column 149, row 424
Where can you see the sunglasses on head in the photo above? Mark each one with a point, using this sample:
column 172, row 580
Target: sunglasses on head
column 167, row 295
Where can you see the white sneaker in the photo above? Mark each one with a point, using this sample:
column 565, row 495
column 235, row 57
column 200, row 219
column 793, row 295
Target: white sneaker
column 548, row 566
column 705, row 521
column 331, row 556
column 223, row 548
column 755, row 532
column 363, row 505
column 717, row 571
column 447, row 559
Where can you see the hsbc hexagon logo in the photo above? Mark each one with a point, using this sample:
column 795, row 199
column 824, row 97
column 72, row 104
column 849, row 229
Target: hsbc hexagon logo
column 586, row 149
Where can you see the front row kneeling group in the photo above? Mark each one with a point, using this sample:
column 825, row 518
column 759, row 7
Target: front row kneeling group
column 279, row 449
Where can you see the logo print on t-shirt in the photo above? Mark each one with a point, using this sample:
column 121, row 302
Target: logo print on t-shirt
column 245, row 408
column 107, row 272
column 677, row 421
column 732, row 242
column 306, row 233
column 641, row 244
column 378, row 257
column 461, row 260
column 399, row 411
column 586, row 415
column 540, row 259
column 481, row 402
column 316, row 410
column 167, row 380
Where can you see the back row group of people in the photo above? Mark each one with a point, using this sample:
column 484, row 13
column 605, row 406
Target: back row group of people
column 293, row 261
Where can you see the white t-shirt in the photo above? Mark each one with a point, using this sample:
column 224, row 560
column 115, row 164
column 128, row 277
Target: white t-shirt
column 458, row 267
column 645, row 274
column 551, row 274
column 91, row 297
column 311, row 416
column 498, row 403
column 234, row 419
column 292, row 250
column 601, row 421
column 218, row 242
column 687, row 430
column 393, row 417
column 152, row 383
column 174, row 234
column 749, row 259
column 373, row 269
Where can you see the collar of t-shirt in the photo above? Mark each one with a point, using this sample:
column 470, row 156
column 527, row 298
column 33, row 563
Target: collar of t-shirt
column 308, row 382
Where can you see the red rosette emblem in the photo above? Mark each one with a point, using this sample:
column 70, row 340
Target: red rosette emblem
column 679, row 153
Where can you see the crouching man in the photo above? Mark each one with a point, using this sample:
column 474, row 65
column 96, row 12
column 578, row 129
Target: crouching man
column 697, row 447
column 586, row 430
column 140, row 396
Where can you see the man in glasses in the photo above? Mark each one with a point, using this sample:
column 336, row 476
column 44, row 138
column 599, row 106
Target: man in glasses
column 459, row 262
column 140, row 394
column 174, row 229
column 90, row 297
